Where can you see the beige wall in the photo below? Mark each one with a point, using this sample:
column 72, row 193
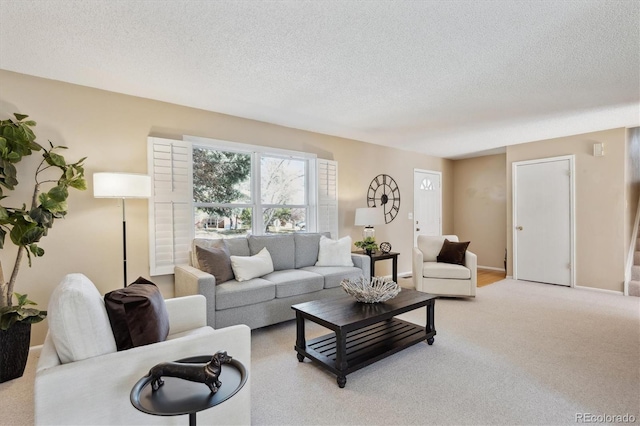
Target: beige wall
column 600, row 203
column 632, row 180
column 112, row 129
column 479, row 207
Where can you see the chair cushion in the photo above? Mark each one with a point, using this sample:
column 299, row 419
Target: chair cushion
column 138, row 315
column 294, row 282
column 215, row 261
column 445, row 270
column 430, row 246
column 78, row 321
column 233, row 294
column 453, row 252
column 281, row 247
column 249, row 267
column 334, row 252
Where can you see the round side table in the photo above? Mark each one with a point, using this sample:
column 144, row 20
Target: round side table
column 178, row 396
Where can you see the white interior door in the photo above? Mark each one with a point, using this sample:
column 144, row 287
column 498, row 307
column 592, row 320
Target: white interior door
column 543, row 220
column 427, row 203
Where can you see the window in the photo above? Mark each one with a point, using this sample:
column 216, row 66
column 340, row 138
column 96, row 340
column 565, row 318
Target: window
column 240, row 190
column 206, row 188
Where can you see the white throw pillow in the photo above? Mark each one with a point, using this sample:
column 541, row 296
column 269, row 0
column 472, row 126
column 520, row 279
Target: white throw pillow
column 334, row 252
column 78, row 322
column 248, row 267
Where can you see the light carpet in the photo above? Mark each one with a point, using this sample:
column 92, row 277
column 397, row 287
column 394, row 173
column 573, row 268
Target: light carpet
column 519, row 353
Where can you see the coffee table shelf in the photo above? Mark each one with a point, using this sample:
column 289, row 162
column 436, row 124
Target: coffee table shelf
column 367, row 345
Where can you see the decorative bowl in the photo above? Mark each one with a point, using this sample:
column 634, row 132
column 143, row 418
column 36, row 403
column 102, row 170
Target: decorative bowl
column 378, row 289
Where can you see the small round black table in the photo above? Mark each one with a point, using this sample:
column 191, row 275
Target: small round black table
column 178, row 396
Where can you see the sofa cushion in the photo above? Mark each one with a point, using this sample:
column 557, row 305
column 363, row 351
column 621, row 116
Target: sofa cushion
column 249, row 267
column 77, row 298
column 453, row 252
column 137, row 314
column 445, row 270
column 294, row 282
column 333, row 275
column 238, row 246
column 215, row 261
column 233, row 294
column 307, row 246
column 430, row 246
column 334, row 252
column 281, row 247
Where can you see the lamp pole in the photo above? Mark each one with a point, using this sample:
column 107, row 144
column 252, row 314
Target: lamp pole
column 124, row 243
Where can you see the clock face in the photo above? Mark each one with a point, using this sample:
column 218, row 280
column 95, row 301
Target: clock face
column 384, row 192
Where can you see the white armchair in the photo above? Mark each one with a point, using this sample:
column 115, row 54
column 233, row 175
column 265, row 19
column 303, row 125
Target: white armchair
column 444, row 279
column 94, row 389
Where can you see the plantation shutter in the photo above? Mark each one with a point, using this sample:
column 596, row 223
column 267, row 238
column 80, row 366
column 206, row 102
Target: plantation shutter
column 328, row 197
column 170, row 206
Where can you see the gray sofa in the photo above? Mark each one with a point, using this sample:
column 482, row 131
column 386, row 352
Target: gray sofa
column 267, row 300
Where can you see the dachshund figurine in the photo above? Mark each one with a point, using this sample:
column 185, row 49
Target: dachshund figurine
column 201, row 373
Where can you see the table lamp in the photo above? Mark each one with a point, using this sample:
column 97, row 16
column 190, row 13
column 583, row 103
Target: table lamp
column 368, row 217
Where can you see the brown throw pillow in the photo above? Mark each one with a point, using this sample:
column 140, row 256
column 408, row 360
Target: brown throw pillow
column 138, row 315
column 215, row 261
column 453, row 252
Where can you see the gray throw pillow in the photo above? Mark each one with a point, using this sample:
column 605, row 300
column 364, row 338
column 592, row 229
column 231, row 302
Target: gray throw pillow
column 215, row 261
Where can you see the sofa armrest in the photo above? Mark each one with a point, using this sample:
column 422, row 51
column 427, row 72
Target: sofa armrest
column 186, row 313
column 417, row 259
column 96, row 390
column 363, row 262
column 190, row 281
column 471, row 262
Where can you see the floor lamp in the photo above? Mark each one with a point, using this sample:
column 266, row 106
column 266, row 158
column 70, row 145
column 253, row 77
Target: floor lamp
column 122, row 185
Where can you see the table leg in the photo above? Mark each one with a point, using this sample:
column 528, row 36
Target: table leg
column 395, row 269
column 301, row 342
column 372, row 267
column 430, row 327
column 192, row 419
column 341, row 357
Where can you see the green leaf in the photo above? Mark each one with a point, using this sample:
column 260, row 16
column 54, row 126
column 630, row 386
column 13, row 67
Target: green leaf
column 79, row 184
column 55, row 159
column 4, row 215
column 3, row 234
column 37, row 251
column 20, row 117
column 58, row 193
column 42, row 217
column 24, row 234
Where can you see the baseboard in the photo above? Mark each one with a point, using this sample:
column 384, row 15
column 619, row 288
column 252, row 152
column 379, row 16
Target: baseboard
column 601, row 290
column 400, row 275
column 491, row 268
column 35, row 348
column 508, row 277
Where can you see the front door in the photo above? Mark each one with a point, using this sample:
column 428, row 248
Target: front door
column 543, row 220
column 427, row 203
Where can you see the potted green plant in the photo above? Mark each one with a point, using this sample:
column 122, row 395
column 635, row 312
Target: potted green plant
column 368, row 245
column 25, row 227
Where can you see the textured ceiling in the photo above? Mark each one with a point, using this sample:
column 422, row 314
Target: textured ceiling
column 446, row 78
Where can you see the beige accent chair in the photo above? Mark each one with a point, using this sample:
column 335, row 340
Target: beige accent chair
column 444, row 279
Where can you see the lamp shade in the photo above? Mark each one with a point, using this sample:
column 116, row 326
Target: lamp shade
column 369, row 216
column 121, row 185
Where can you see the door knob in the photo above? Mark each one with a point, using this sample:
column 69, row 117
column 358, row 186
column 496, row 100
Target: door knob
column 417, row 229
column 519, row 228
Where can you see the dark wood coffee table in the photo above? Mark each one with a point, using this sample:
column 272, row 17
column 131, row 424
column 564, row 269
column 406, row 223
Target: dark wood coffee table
column 363, row 333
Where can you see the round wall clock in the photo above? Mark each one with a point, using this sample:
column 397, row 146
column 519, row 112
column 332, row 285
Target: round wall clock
column 384, row 192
